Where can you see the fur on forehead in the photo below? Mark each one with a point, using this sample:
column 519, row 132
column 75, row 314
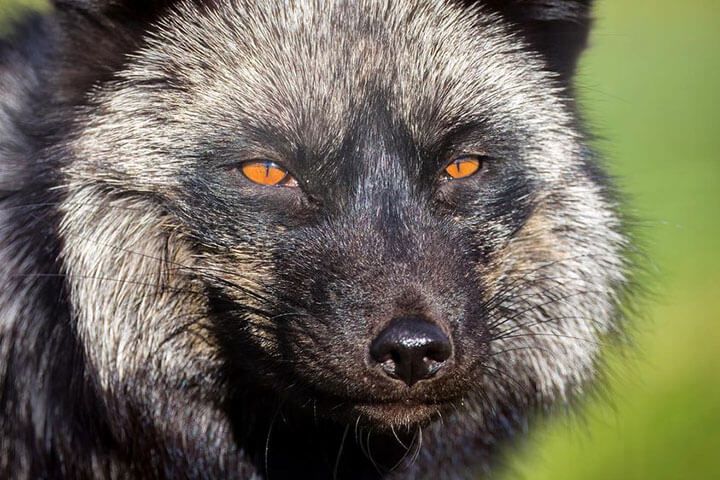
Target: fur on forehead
column 558, row 29
column 306, row 71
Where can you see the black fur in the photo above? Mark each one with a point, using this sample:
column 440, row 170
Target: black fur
column 341, row 247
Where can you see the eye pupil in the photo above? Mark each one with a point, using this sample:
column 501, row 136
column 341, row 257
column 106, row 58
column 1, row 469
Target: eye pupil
column 264, row 172
column 463, row 167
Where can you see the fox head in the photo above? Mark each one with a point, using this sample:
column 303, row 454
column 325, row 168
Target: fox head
column 376, row 213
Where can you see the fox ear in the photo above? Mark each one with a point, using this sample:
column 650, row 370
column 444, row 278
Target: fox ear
column 96, row 37
column 557, row 29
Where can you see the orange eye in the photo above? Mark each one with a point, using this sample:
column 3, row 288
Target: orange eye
column 463, row 167
column 267, row 173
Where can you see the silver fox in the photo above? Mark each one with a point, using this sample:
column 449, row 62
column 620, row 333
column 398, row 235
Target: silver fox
column 256, row 239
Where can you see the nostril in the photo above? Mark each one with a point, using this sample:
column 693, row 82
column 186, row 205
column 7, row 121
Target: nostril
column 439, row 351
column 411, row 349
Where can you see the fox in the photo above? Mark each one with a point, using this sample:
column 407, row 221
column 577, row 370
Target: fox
column 243, row 239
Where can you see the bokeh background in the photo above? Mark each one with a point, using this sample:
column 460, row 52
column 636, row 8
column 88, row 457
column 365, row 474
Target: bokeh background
column 650, row 86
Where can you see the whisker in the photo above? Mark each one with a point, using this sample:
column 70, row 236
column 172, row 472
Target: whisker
column 592, row 342
column 340, row 451
column 267, row 439
column 516, row 314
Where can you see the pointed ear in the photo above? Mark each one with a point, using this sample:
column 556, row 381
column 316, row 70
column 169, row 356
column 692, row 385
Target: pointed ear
column 95, row 38
column 557, row 29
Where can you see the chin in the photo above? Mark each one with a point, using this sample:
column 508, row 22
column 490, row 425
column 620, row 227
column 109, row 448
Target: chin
column 389, row 416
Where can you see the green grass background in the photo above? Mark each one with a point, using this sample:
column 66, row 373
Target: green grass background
column 650, row 85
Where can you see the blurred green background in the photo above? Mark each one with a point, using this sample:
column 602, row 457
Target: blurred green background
column 650, row 85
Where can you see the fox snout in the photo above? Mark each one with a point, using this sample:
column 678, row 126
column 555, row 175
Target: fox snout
column 411, row 349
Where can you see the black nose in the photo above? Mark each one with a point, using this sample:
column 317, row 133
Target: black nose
column 411, row 349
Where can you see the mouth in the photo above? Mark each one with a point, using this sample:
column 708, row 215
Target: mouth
column 387, row 415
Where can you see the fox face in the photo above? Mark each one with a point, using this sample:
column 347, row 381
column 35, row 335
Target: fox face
column 376, row 214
